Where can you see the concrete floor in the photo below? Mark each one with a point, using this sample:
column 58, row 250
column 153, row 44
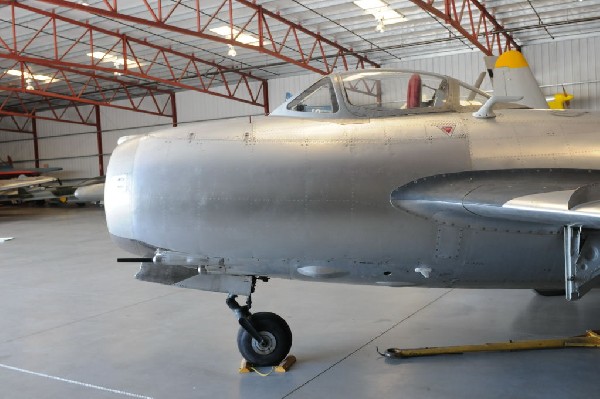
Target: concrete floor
column 75, row 324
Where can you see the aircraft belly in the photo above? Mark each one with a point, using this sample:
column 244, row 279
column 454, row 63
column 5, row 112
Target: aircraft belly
column 497, row 258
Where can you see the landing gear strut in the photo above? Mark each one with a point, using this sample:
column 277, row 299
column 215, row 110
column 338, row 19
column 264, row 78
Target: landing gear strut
column 264, row 339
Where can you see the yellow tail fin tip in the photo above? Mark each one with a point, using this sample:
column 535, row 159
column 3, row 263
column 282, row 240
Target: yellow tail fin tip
column 511, row 59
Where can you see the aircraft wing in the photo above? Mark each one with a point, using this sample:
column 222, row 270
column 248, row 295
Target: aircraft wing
column 24, row 181
column 550, row 196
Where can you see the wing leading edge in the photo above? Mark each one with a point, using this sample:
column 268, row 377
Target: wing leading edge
column 557, row 197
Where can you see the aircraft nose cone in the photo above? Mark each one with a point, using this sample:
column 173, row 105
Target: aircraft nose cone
column 119, row 193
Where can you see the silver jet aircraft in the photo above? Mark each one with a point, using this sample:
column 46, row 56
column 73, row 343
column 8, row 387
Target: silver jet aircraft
column 379, row 177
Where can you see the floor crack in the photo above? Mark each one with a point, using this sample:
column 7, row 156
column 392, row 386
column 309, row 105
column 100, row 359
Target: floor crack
column 367, row 343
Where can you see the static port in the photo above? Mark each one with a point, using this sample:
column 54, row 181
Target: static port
column 387, row 273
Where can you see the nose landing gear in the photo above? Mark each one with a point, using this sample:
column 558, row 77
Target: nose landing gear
column 264, row 338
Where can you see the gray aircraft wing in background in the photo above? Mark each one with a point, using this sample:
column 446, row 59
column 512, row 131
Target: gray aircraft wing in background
column 23, row 181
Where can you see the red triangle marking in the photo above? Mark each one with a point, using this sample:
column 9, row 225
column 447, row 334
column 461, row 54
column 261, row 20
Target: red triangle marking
column 447, row 129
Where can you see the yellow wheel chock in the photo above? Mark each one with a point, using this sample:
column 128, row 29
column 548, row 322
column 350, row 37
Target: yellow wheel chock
column 282, row 367
column 591, row 339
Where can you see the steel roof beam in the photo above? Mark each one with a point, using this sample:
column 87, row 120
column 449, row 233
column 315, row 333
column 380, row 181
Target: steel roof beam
column 81, row 85
column 13, row 125
column 275, row 35
column 471, row 19
column 72, row 112
column 158, row 64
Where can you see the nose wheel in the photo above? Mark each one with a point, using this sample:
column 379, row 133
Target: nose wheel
column 275, row 344
column 264, row 338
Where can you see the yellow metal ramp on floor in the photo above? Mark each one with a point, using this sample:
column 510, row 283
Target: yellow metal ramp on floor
column 591, row 339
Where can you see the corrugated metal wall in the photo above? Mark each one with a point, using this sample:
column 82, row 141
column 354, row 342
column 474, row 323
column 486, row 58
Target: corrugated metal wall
column 568, row 63
column 571, row 63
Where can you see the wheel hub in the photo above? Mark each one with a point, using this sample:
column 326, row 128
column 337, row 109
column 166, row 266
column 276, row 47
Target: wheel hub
column 270, row 343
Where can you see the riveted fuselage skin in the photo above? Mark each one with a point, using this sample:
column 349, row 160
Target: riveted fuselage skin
column 309, row 199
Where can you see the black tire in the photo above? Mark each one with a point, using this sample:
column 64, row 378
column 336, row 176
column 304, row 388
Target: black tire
column 276, row 332
column 549, row 292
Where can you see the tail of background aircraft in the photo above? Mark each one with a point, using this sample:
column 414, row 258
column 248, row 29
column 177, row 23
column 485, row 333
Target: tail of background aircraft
column 512, row 77
column 561, row 100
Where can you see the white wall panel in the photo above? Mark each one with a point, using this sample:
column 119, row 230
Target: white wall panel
column 193, row 106
column 18, row 146
column 114, row 118
column 572, row 63
column 67, row 146
column 74, row 168
column 11, row 136
column 75, row 163
column 47, row 128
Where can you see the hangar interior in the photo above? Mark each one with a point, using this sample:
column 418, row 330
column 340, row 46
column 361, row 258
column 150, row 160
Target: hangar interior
column 557, row 38
column 75, row 76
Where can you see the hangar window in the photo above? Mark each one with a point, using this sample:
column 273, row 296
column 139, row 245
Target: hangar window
column 319, row 98
column 384, row 91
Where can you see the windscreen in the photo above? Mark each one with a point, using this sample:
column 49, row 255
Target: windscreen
column 395, row 90
column 319, row 98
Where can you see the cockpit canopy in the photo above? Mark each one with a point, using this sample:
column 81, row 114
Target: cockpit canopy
column 378, row 93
